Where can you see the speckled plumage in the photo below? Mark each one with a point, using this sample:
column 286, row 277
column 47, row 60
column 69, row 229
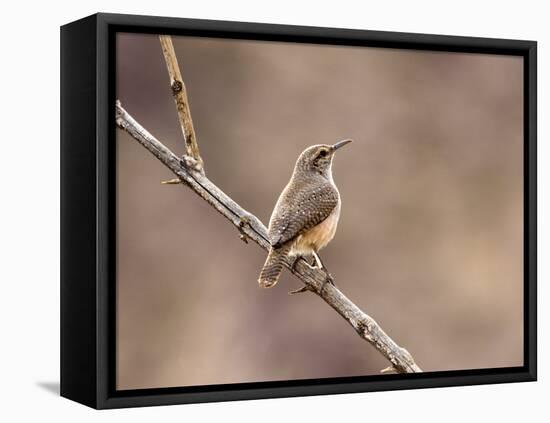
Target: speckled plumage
column 305, row 217
column 304, row 203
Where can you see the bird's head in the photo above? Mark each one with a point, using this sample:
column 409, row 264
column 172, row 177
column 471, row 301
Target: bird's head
column 318, row 158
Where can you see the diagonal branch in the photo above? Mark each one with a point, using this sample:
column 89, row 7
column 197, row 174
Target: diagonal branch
column 251, row 227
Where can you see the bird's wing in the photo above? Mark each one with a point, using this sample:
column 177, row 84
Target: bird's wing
column 301, row 211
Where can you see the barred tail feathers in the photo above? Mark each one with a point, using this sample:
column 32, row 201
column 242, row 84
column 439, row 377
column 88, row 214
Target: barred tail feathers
column 273, row 267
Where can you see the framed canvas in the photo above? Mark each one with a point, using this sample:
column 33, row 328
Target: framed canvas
column 207, row 172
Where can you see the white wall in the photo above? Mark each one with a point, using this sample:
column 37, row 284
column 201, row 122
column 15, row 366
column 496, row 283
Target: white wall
column 30, row 208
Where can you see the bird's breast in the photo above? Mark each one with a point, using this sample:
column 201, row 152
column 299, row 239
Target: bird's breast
column 319, row 236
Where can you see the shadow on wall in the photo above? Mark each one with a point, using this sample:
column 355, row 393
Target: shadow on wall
column 51, row 387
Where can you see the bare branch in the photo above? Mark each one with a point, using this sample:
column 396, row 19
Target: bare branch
column 180, row 97
column 315, row 279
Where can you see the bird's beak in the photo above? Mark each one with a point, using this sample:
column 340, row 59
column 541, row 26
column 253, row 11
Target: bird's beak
column 340, row 144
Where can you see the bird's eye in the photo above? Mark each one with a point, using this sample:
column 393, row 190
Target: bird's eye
column 323, row 153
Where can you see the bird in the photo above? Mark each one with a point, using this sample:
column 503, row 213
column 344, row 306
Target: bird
column 306, row 214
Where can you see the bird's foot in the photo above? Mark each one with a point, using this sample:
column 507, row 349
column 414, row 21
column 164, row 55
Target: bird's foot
column 312, row 261
column 293, row 261
column 318, row 263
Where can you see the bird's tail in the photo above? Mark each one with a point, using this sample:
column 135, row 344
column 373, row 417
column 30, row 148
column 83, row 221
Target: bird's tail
column 273, row 266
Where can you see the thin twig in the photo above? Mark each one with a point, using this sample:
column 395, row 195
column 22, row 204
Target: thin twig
column 314, row 278
column 182, row 103
column 304, row 288
column 173, row 181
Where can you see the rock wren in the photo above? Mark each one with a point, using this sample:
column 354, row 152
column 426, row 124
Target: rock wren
column 306, row 214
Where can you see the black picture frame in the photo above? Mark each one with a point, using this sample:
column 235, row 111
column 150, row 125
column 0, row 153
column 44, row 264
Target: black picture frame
column 88, row 200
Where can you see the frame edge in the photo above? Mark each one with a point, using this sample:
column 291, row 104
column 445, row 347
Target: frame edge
column 78, row 212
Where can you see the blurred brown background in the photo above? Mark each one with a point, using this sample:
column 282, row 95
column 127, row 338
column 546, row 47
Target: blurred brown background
column 430, row 237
